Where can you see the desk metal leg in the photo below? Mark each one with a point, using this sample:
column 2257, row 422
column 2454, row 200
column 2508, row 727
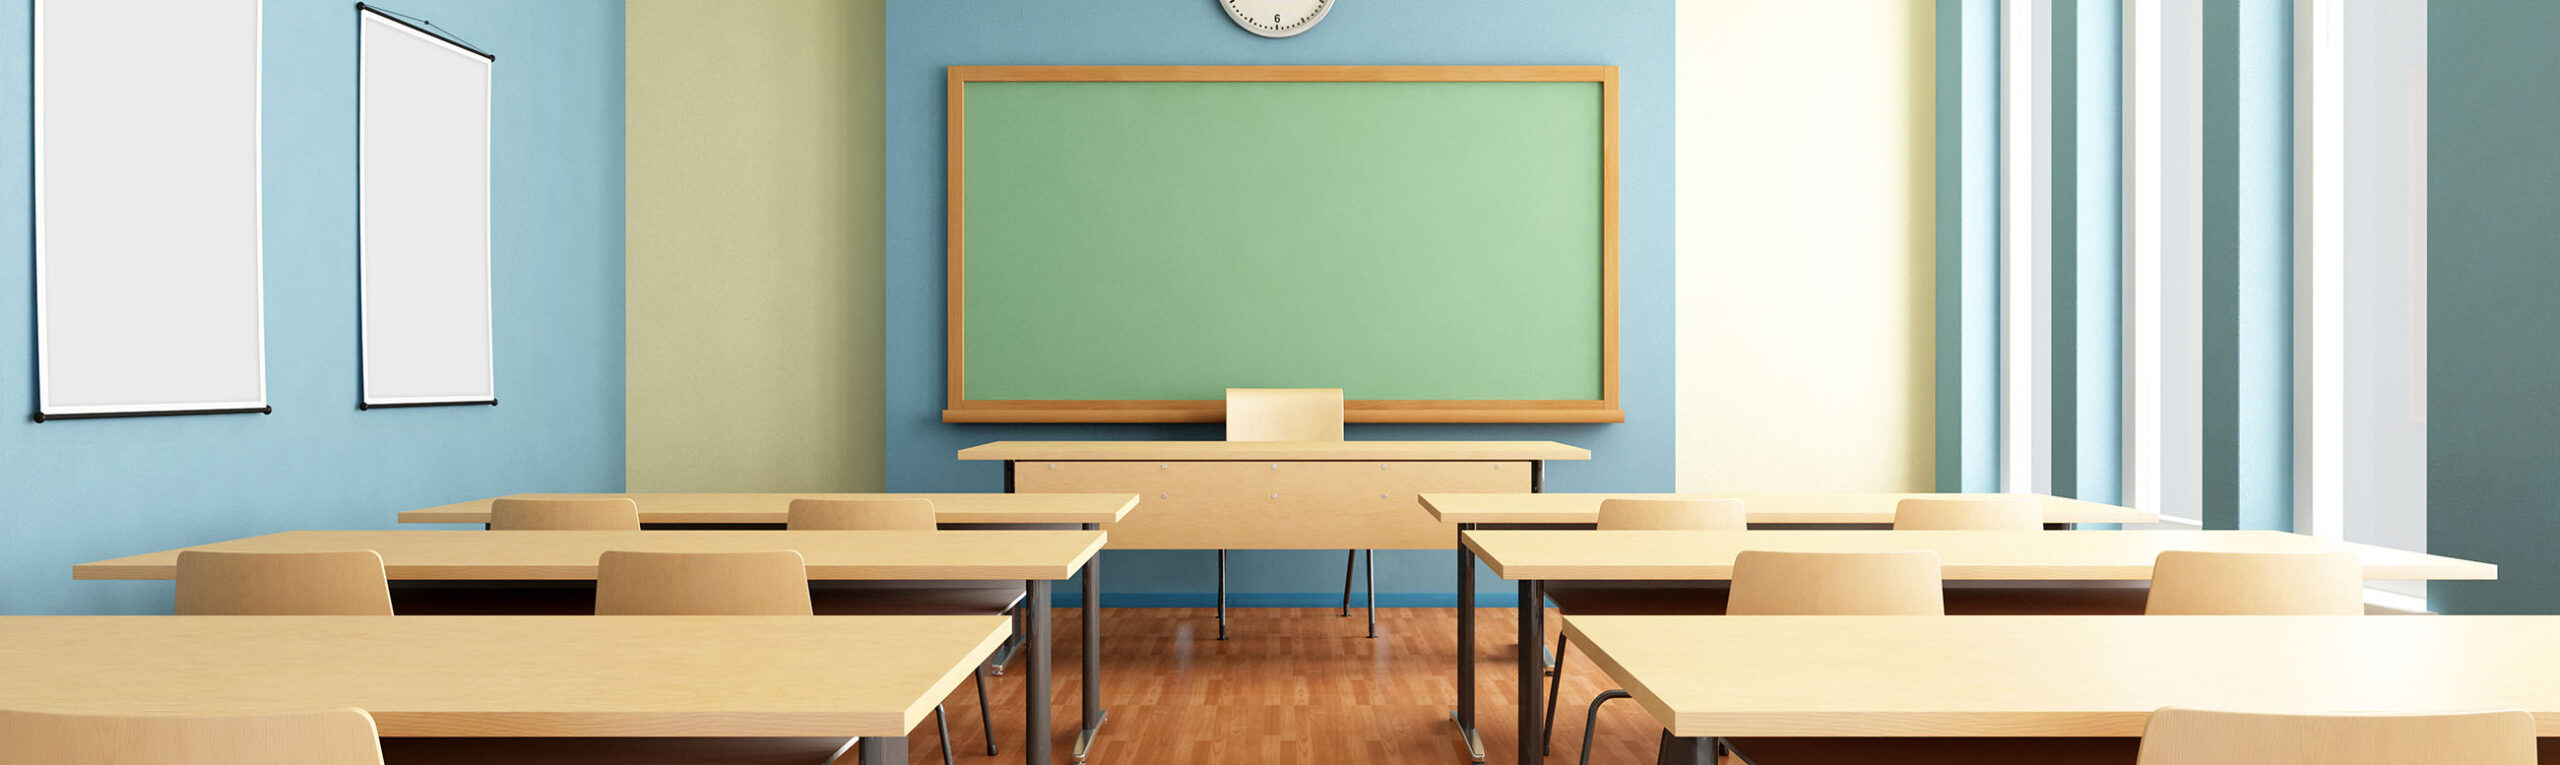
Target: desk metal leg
column 1533, row 625
column 1222, row 594
column 1465, row 715
column 1690, row 750
column 876, row 750
column 1372, row 555
column 1094, row 714
column 1035, row 683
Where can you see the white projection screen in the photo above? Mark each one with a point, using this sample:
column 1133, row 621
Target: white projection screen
column 422, row 170
column 149, row 296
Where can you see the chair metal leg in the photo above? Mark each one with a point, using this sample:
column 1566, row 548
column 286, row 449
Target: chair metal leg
column 944, row 727
column 1350, row 560
column 1592, row 717
column 1372, row 555
column 1222, row 594
column 1555, row 682
column 1012, row 644
column 986, row 714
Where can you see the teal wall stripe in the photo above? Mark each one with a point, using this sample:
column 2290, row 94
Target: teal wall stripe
column 2493, row 183
column 2064, row 271
column 2221, row 242
column 1967, row 316
column 1947, row 272
column 2098, row 247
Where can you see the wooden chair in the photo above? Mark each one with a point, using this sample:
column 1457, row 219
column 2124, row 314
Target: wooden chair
column 537, row 514
column 325, row 737
column 1641, row 598
column 335, row 583
column 1293, row 414
column 868, row 514
column 2198, row 737
column 903, row 514
column 772, row 583
column 1969, row 514
column 2189, row 582
column 1769, row 583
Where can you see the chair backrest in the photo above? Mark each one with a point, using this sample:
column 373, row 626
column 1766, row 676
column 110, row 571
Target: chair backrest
column 326, row 737
column 1672, row 515
column 541, row 514
column 1284, row 414
column 333, row 583
column 2261, row 584
column 1769, row 583
column 774, row 583
column 1969, row 514
column 882, row 514
column 2198, row 737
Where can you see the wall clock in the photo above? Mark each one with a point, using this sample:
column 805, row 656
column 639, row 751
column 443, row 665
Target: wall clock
column 1276, row 18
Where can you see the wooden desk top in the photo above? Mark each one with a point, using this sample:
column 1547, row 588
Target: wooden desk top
column 1280, row 451
column 509, row 675
column 572, row 555
column 1841, row 508
column 1992, row 555
column 776, row 508
column 2060, row 675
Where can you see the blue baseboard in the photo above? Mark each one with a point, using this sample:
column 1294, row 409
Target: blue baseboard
column 1064, row 598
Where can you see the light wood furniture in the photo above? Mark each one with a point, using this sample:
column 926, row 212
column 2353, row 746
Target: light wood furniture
column 2058, row 676
column 548, row 514
column 1672, row 515
column 1284, row 414
column 572, row 555
column 1531, row 558
column 1038, row 558
column 1292, row 414
column 960, row 407
column 1985, row 513
column 874, row 677
column 324, row 737
column 883, row 514
column 1771, row 509
column 772, row 583
column 1637, row 597
column 2202, row 737
column 911, row 514
column 1836, row 584
column 2256, row 583
column 773, row 510
column 302, row 583
column 1210, row 495
column 1973, row 555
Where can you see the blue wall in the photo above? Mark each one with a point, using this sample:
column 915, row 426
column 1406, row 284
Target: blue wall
column 924, row 36
column 2493, row 489
column 91, row 489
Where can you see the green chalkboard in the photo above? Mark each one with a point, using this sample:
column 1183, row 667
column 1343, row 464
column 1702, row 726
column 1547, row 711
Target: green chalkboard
column 1163, row 241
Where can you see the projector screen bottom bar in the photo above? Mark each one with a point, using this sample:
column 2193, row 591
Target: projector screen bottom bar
column 41, row 417
column 408, row 404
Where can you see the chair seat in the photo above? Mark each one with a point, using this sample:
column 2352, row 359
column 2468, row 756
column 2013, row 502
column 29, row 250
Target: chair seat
column 620, row 751
column 918, row 598
column 1639, row 598
column 1936, row 751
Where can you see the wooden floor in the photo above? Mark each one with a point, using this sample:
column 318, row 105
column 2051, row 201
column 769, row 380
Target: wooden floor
column 1288, row 686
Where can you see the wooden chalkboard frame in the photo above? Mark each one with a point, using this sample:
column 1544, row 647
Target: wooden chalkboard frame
column 961, row 409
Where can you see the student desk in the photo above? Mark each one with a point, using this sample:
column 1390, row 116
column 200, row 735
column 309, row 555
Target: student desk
column 702, row 511
column 1036, row 557
column 1531, row 557
column 1469, row 512
column 874, row 677
column 2056, row 676
column 1774, row 509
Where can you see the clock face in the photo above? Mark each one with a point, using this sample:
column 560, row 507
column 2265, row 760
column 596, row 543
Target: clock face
column 1276, row 18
